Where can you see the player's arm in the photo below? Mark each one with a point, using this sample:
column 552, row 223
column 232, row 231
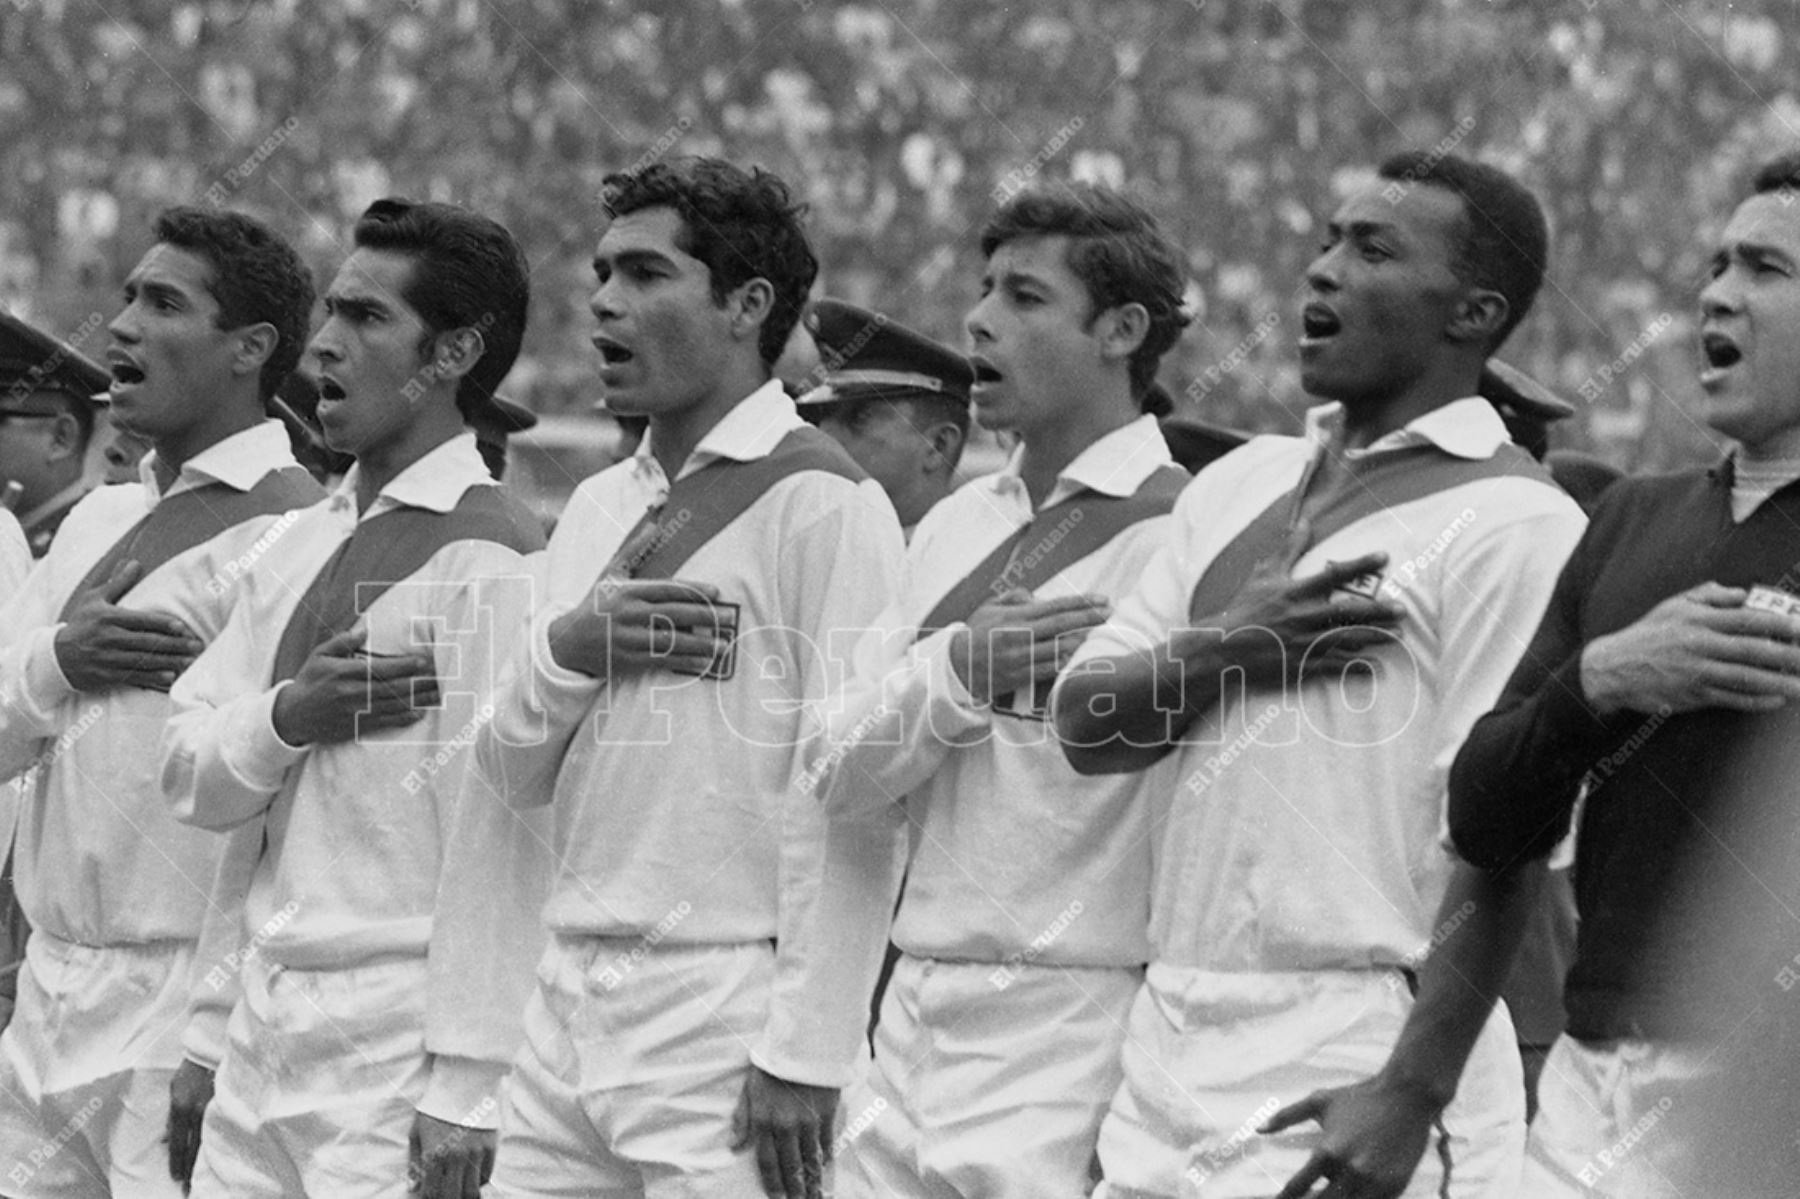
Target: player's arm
column 1516, row 781
column 222, row 762
column 909, row 705
column 496, row 867
column 839, row 872
column 47, row 659
column 1124, row 704
column 583, row 632
column 213, row 991
column 1375, row 1132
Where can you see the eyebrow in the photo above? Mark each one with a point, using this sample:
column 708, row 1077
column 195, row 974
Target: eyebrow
column 155, row 289
column 1752, row 249
column 1364, row 228
column 352, row 304
column 1018, row 278
column 633, row 257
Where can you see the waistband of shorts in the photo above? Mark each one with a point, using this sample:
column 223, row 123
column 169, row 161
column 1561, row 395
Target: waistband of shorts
column 69, row 951
column 664, row 944
column 589, row 949
column 1022, row 967
column 1236, row 994
column 650, row 942
column 377, row 966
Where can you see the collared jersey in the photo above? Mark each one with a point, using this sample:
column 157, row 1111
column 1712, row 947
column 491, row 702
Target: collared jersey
column 100, row 861
column 1305, row 828
column 675, row 810
column 1014, row 855
column 354, row 830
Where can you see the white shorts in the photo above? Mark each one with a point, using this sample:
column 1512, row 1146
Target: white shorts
column 988, row 1082
column 323, row 1071
column 85, row 1068
column 1613, row 1120
column 634, row 1060
column 1209, row 1057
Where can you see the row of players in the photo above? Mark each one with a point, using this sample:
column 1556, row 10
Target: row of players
column 310, row 776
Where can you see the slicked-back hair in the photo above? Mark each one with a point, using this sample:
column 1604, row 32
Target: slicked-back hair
column 1779, row 175
column 467, row 273
column 1505, row 241
column 1117, row 250
column 742, row 224
column 255, row 276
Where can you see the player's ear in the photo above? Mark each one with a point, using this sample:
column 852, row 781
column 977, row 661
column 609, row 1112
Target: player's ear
column 457, row 351
column 1479, row 316
column 1122, row 329
column 749, row 306
column 255, row 343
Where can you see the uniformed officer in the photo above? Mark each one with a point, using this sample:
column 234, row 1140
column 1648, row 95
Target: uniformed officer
column 895, row 399
column 46, row 420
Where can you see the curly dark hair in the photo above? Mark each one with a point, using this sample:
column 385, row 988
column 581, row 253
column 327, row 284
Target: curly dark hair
column 743, row 225
column 1505, row 239
column 1118, row 251
column 256, row 276
column 468, row 273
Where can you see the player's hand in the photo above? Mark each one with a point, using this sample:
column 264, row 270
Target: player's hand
column 790, row 1125
column 103, row 646
column 1699, row 649
column 1373, row 1134
column 1013, row 641
column 1280, row 629
column 341, row 693
column 189, row 1092
column 627, row 626
column 449, row 1161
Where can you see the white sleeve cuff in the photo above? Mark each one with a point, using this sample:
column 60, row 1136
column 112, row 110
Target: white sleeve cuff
column 253, row 750
column 951, row 709
column 807, row 1074
column 46, row 686
column 559, row 685
column 464, row 1091
column 203, row 1041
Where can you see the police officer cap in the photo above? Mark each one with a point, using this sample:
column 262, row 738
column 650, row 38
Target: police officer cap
column 862, row 352
column 499, row 419
column 33, row 363
column 1516, row 393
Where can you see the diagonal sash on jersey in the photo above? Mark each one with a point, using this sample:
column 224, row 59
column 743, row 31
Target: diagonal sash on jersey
column 193, row 517
column 387, row 549
column 702, row 504
column 1373, row 484
column 1066, row 533
column 1058, row 537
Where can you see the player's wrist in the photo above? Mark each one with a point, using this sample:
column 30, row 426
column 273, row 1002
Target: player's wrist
column 1202, row 661
column 962, row 664
column 1597, row 678
column 1418, row 1088
column 564, row 639
column 287, row 717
